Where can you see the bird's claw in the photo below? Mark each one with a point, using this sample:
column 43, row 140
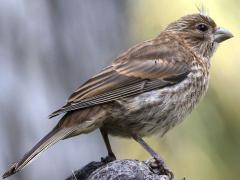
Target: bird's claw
column 159, row 166
column 108, row 159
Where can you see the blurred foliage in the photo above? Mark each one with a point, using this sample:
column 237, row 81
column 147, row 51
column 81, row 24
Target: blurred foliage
column 206, row 145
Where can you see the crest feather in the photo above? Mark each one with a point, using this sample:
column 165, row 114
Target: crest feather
column 202, row 10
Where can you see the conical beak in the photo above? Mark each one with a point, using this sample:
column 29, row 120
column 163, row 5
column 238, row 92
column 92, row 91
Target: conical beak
column 222, row 34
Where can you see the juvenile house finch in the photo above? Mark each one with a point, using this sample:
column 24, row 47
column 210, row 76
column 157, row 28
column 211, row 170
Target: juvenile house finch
column 148, row 89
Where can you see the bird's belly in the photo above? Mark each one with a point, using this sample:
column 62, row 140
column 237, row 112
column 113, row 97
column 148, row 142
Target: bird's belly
column 156, row 111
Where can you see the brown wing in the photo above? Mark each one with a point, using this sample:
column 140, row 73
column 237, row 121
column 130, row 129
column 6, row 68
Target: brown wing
column 143, row 68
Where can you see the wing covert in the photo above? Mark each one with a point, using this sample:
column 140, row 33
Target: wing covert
column 141, row 69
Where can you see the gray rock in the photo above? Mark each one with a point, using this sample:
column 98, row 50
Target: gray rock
column 118, row 170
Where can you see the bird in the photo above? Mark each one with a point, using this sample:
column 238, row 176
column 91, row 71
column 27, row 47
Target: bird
column 147, row 90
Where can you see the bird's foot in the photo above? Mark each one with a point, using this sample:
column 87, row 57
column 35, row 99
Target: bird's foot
column 159, row 166
column 108, row 159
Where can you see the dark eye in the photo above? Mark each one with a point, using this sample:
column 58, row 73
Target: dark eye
column 202, row 27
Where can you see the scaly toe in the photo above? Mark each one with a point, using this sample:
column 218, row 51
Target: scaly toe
column 160, row 167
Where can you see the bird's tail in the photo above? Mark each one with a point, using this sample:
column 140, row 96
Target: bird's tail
column 51, row 138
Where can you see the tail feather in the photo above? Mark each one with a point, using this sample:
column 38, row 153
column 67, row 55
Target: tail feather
column 51, row 138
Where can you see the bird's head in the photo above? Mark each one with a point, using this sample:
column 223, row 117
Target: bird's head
column 200, row 33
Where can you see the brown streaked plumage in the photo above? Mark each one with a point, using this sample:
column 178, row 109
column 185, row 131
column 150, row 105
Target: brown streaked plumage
column 148, row 89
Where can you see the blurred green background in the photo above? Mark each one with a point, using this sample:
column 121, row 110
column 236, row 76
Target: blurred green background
column 48, row 48
column 206, row 145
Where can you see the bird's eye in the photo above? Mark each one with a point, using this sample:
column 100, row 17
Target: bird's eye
column 202, row 27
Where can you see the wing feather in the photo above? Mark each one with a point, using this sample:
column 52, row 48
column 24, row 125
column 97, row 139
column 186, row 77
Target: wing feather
column 144, row 68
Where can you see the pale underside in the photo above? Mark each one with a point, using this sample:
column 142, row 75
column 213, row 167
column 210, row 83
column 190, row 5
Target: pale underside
column 157, row 111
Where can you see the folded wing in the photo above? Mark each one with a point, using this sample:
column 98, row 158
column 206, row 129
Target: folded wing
column 143, row 68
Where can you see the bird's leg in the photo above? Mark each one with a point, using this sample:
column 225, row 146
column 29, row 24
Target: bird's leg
column 111, row 156
column 159, row 161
